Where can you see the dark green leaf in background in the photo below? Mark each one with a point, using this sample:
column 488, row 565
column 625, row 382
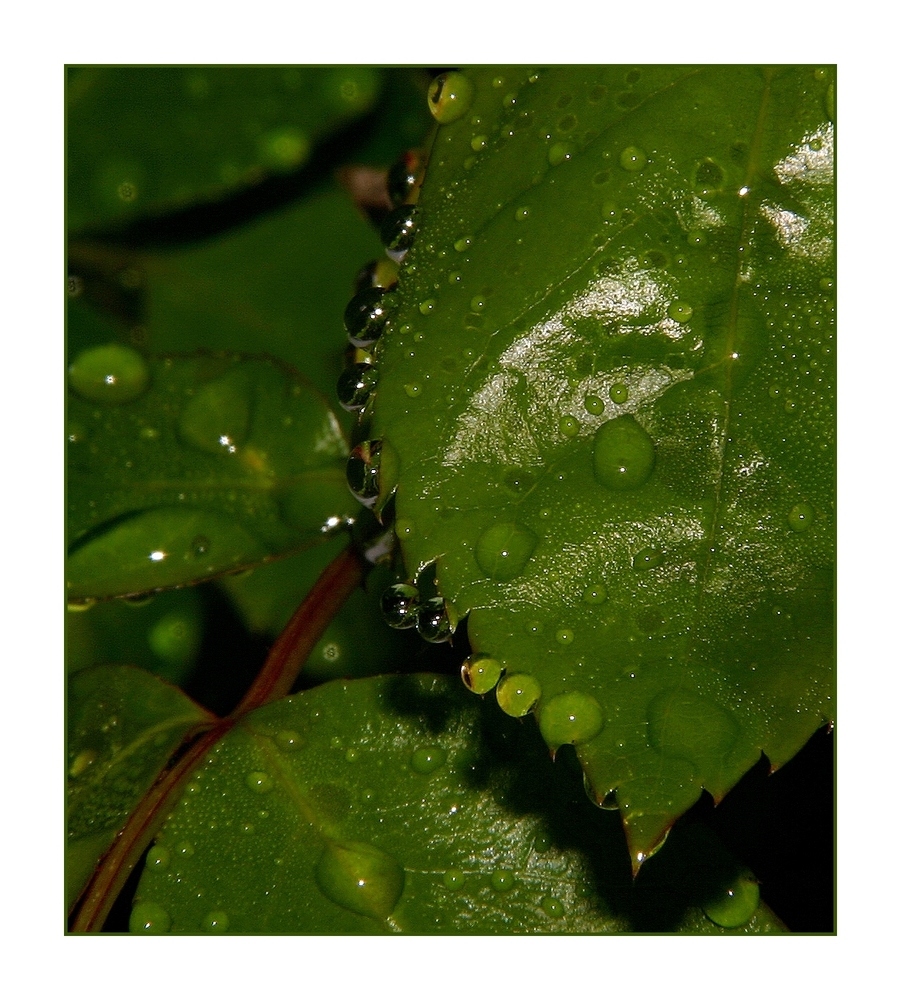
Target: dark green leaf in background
column 147, row 139
column 606, row 403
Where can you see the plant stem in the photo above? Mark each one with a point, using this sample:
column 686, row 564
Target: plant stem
column 286, row 658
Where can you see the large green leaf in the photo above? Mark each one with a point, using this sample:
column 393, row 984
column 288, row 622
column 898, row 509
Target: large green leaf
column 123, row 725
column 606, row 406
column 387, row 805
column 184, row 468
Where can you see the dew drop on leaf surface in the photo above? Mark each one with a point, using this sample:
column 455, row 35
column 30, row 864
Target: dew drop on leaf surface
column 503, row 550
column 361, row 878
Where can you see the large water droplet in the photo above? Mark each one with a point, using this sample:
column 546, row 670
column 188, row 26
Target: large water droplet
column 503, row 550
column 517, row 694
column 450, row 96
column 623, row 454
column 405, row 177
column 502, row 880
column 553, row 907
column 633, row 159
column 259, row 782
column 433, row 620
column 424, row 760
column 800, row 517
column 112, row 373
column 647, row 558
column 480, row 673
column 361, row 878
column 398, row 231
column 736, row 904
column 571, row 717
column 454, row 878
column 560, row 152
column 149, row 918
column 400, row 604
column 217, row 417
column 355, row 385
column 363, row 472
column 673, row 727
column 365, row 317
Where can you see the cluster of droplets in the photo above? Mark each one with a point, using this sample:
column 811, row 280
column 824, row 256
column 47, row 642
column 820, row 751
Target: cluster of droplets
column 403, row 607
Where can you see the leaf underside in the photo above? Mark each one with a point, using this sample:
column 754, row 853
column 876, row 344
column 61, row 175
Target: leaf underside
column 606, row 407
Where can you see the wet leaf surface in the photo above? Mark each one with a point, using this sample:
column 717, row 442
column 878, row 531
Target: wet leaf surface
column 123, row 725
column 184, row 468
column 606, row 407
column 401, row 805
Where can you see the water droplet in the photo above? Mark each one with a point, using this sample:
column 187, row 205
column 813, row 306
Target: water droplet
column 553, row 907
column 355, row 386
column 679, row 311
column 481, row 673
column 775, row 391
column 405, row 176
column 413, row 389
column 425, row 760
column 433, row 621
column 112, row 373
column 361, row 878
column 595, row 594
column 569, row 426
column 503, row 550
column 522, row 213
column 259, row 781
column 184, row 848
column 365, row 317
column 288, row 739
column 464, row 243
column 542, row 842
column 633, row 159
column 517, row 694
column 594, row 404
column 158, row 858
column 149, row 918
column 619, row 392
column 215, row 922
column 673, row 729
column 571, row 717
column 363, row 472
column 398, row 231
column 647, row 558
column 216, row 419
column 708, row 177
column 428, row 306
column 800, row 517
column 400, row 605
column 565, row 636
column 502, row 880
column 454, row 878
column 560, row 152
column 623, row 454
column 736, row 904
column 450, row 96
column 479, row 142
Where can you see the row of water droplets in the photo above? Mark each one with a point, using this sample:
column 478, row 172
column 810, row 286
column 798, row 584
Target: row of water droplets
column 365, row 319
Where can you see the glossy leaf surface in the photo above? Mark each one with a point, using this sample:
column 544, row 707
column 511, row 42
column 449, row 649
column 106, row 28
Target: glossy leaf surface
column 184, row 468
column 606, row 404
column 123, row 726
column 388, row 805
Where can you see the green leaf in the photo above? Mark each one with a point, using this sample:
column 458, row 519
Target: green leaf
column 218, row 296
column 160, row 633
column 185, row 468
column 389, row 804
column 606, row 405
column 236, row 125
column 123, row 725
